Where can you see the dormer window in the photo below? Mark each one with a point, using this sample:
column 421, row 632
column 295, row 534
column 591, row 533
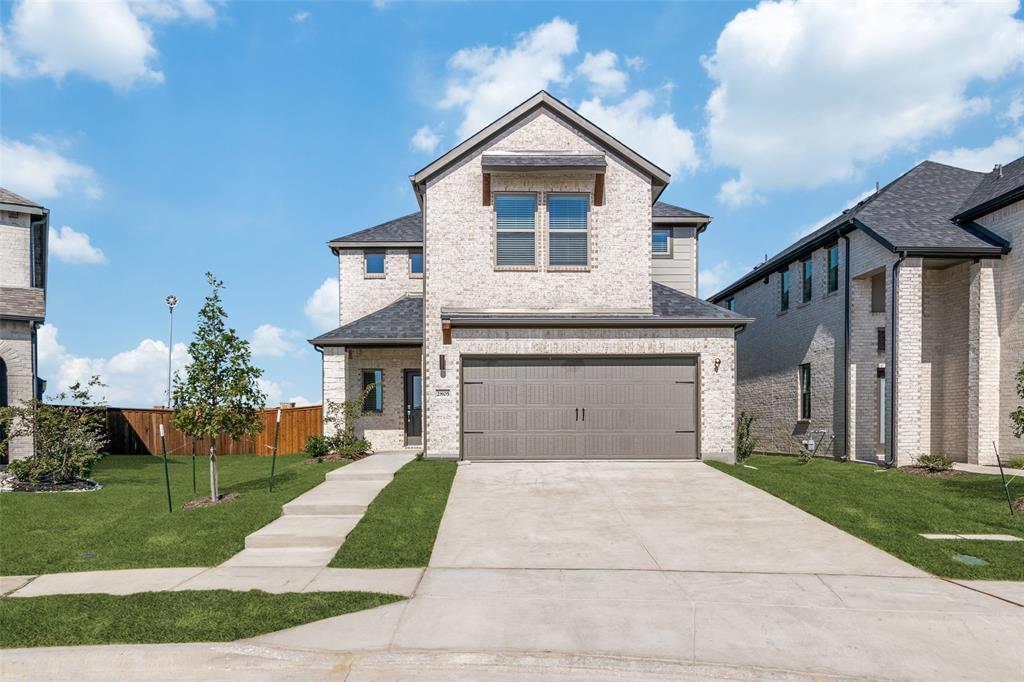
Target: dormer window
column 373, row 264
column 567, row 229
column 661, row 244
column 515, row 223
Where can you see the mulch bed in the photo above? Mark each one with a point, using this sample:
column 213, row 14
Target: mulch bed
column 80, row 486
column 1018, row 504
column 928, row 473
column 337, row 458
column 204, row 502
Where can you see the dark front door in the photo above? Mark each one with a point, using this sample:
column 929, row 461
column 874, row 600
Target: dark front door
column 413, row 407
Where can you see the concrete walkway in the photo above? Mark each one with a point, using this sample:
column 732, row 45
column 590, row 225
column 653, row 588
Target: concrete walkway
column 988, row 469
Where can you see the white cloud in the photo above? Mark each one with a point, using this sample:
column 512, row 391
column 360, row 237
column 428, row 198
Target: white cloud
column 134, row 378
column 300, row 400
column 714, row 278
column 656, row 136
column 1015, row 110
column 602, row 71
column 809, row 92
column 488, row 81
column 322, row 307
column 271, row 389
column 41, row 172
column 425, row 140
column 271, row 341
column 71, row 246
column 634, row 63
column 381, row 4
column 110, row 41
column 300, row 16
column 1002, row 150
column 738, row 192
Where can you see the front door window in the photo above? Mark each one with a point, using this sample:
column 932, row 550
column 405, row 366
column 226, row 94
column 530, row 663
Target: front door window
column 413, row 406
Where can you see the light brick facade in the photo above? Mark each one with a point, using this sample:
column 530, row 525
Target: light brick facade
column 360, row 294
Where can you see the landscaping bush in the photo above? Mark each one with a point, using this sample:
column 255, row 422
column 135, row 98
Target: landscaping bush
column 318, row 447
column 68, row 438
column 343, row 417
column 1016, row 462
column 745, row 442
column 355, row 448
column 935, row 462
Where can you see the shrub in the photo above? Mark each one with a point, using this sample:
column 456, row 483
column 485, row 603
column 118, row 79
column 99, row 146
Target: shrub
column 357, row 447
column 1016, row 462
column 935, row 462
column 1017, row 416
column 745, row 442
column 68, row 438
column 804, row 455
column 318, row 446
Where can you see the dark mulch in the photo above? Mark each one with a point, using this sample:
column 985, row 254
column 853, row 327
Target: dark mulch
column 337, row 458
column 928, row 473
column 204, row 502
column 81, row 485
column 1018, row 504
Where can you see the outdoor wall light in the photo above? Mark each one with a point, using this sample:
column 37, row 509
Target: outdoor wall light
column 718, row 363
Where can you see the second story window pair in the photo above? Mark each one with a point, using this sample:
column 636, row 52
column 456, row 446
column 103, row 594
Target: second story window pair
column 373, row 263
column 516, row 223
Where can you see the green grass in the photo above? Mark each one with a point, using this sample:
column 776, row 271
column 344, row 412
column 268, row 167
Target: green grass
column 400, row 526
column 154, row 617
column 126, row 524
column 889, row 509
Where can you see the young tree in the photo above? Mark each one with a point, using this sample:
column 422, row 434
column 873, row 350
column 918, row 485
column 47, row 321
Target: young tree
column 1017, row 416
column 219, row 393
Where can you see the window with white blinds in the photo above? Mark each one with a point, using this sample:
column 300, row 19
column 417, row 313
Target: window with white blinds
column 567, row 229
column 516, row 216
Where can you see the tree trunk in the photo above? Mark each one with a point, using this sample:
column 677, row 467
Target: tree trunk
column 213, row 470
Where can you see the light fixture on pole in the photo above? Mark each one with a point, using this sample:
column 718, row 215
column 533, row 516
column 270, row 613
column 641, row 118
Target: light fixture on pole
column 171, row 301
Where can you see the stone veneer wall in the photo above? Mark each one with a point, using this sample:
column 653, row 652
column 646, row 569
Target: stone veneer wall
column 16, row 352
column 359, row 295
column 717, row 388
column 1008, row 284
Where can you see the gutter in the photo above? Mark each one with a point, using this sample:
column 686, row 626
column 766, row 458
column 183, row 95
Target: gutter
column 323, row 395
column 595, row 322
column 846, row 348
column 890, row 459
column 320, row 343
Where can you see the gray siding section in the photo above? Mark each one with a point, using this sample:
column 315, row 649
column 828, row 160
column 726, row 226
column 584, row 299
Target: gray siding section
column 679, row 271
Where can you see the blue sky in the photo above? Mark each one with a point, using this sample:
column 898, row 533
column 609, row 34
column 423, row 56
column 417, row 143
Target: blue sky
column 178, row 136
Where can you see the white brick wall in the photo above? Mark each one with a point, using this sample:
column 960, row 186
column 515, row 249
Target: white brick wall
column 944, row 359
column 14, row 251
column 360, row 295
column 16, row 352
column 911, row 402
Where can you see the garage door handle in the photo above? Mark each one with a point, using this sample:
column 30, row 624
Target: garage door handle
column 584, row 414
column 577, row 414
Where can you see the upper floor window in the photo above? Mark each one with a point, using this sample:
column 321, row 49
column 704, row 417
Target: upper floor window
column 661, row 244
column 833, row 267
column 807, row 279
column 416, row 261
column 784, row 291
column 878, row 293
column 805, row 391
column 375, row 398
column 731, row 304
column 567, row 229
column 515, row 221
column 373, row 263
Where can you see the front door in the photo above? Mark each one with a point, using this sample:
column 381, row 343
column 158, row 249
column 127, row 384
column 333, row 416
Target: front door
column 413, row 407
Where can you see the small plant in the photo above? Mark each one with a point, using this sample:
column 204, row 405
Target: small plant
column 354, row 449
column 1017, row 416
column 343, row 417
column 935, row 462
column 318, row 447
column 1016, row 462
column 745, row 443
column 804, row 455
column 69, row 438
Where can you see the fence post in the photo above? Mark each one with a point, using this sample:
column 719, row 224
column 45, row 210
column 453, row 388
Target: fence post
column 167, row 473
column 273, row 457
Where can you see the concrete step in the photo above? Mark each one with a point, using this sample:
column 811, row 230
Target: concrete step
column 335, row 498
column 303, row 531
column 283, row 557
column 379, row 467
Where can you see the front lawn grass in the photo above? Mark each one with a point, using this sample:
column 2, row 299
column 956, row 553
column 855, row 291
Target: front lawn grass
column 155, row 617
column 400, row 526
column 889, row 509
column 126, row 524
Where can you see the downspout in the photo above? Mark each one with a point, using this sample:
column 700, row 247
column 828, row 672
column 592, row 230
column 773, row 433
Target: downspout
column 323, row 395
column 846, row 347
column 890, row 459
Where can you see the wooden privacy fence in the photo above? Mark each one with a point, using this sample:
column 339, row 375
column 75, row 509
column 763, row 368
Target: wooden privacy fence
column 137, row 432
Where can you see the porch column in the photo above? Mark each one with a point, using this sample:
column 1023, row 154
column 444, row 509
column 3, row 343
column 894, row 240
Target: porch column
column 983, row 408
column 907, row 349
column 334, row 381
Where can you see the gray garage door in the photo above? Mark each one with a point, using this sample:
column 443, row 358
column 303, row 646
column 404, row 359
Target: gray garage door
column 579, row 408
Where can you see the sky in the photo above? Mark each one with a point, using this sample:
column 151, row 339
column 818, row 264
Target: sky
column 173, row 137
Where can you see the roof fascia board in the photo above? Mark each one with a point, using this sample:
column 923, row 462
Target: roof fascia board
column 21, row 208
column 993, row 204
column 366, row 342
column 370, row 245
column 988, row 235
column 595, row 322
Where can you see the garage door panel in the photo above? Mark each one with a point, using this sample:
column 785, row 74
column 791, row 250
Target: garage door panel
column 533, row 408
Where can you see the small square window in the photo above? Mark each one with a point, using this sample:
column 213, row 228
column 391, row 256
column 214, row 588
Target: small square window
column 375, row 398
column 661, row 245
column 416, row 262
column 731, row 304
column 373, row 263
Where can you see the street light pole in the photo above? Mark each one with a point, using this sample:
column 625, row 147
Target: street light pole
column 171, row 301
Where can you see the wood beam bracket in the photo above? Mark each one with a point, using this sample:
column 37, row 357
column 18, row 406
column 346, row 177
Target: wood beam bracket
column 446, row 332
column 487, row 189
column 599, row 189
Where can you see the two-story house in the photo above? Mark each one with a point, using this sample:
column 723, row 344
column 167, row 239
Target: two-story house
column 897, row 328
column 541, row 305
column 24, row 226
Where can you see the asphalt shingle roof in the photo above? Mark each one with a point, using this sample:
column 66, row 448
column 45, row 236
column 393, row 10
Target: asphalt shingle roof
column 664, row 210
column 670, row 303
column 9, row 197
column 408, row 228
column 402, row 321
column 993, row 186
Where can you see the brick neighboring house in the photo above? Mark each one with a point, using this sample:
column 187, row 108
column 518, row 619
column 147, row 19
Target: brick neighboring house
column 541, row 304
column 831, row 326
column 24, row 226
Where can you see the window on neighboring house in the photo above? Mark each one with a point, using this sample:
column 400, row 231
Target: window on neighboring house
column 416, row 261
column 805, row 391
column 373, row 263
column 661, row 244
column 833, row 268
column 731, row 304
column 515, row 220
column 375, row 399
column 880, row 339
column 567, row 229
column 806, row 279
column 784, row 291
column 878, row 293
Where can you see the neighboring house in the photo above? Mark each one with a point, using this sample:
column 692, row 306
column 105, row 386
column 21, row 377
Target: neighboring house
column 831, row 327
column 542, row 304
column 24, row 227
